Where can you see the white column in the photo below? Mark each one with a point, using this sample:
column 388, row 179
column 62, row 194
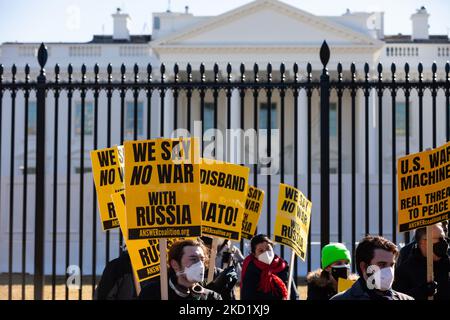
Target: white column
column 373, row 132
column 155, row 114
column 302, row 122
column 234, row 139
column 168, row 113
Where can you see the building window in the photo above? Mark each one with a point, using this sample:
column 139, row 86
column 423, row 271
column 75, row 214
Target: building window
column 333, row 119
column 156, row 23
column 88, row 118
column 85, row 170
column 400, row 119
column 30, row 170
column 32, row 116
column 129, row 118
column 263, row 115
column 208, row 116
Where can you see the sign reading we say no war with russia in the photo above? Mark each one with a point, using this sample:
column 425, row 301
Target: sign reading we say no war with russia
column 107, row 169
column 292, row 219
column 424, row 188
column 144, row 254
column 224, row 190
column 253, row 208
column 162, row 188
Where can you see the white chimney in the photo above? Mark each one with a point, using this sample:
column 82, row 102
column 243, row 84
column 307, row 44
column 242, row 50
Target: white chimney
column 420, row 24
column 121, row 29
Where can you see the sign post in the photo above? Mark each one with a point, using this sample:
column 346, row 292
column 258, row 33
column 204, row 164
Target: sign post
column 163, row 269
column 430, row 274
column 212, row 259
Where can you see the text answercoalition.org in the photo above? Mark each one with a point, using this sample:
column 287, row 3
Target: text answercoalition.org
column 224, row 311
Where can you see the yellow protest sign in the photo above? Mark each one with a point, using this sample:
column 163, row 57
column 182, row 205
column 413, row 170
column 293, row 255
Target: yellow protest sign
column 423, row 188
column 144, row 254
column 292, row 219
column 162, row 188
column 223, row 194
column 107, row 169
column 253, row 208
column 344, row 284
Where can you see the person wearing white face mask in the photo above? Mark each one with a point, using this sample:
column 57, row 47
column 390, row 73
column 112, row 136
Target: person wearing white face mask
column 375, row 258
column 185, row 275
column 264, row 274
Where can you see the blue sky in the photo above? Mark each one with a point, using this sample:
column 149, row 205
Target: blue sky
column 78, row 20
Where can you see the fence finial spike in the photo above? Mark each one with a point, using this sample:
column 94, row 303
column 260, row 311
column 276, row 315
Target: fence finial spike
column 393, row 67
column 353, row 68
column 380, row 68
column 42, row 55
column 324, row 54
column 339, row 67
column 309, row 68
column 366, row 68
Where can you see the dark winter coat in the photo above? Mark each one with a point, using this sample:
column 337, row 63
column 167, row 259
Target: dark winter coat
column 411, row 276
column 359, row 291
column 320, row 286
column 250, row 283
column 117, row 281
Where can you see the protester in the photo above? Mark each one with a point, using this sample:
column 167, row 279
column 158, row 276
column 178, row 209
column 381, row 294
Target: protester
column 117, row 281
column 264, row 274
column 224, row 280
column 323, row 283
column 229, row 255
column 411, row 276
column 405, row 252
column 186, row 272
column 375, row 258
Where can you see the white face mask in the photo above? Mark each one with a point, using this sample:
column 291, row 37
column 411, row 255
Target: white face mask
column 386, row 278
column 194, row 273
column 267, row 256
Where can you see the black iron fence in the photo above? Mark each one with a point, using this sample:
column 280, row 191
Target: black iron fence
column 338, row 125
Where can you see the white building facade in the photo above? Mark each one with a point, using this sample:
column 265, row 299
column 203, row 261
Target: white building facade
column 260, row 32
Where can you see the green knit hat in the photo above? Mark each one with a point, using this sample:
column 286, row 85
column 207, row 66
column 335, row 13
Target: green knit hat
column 333, row 252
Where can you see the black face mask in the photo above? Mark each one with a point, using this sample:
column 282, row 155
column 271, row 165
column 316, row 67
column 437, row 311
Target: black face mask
column 340, row 272
column 441, row 248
